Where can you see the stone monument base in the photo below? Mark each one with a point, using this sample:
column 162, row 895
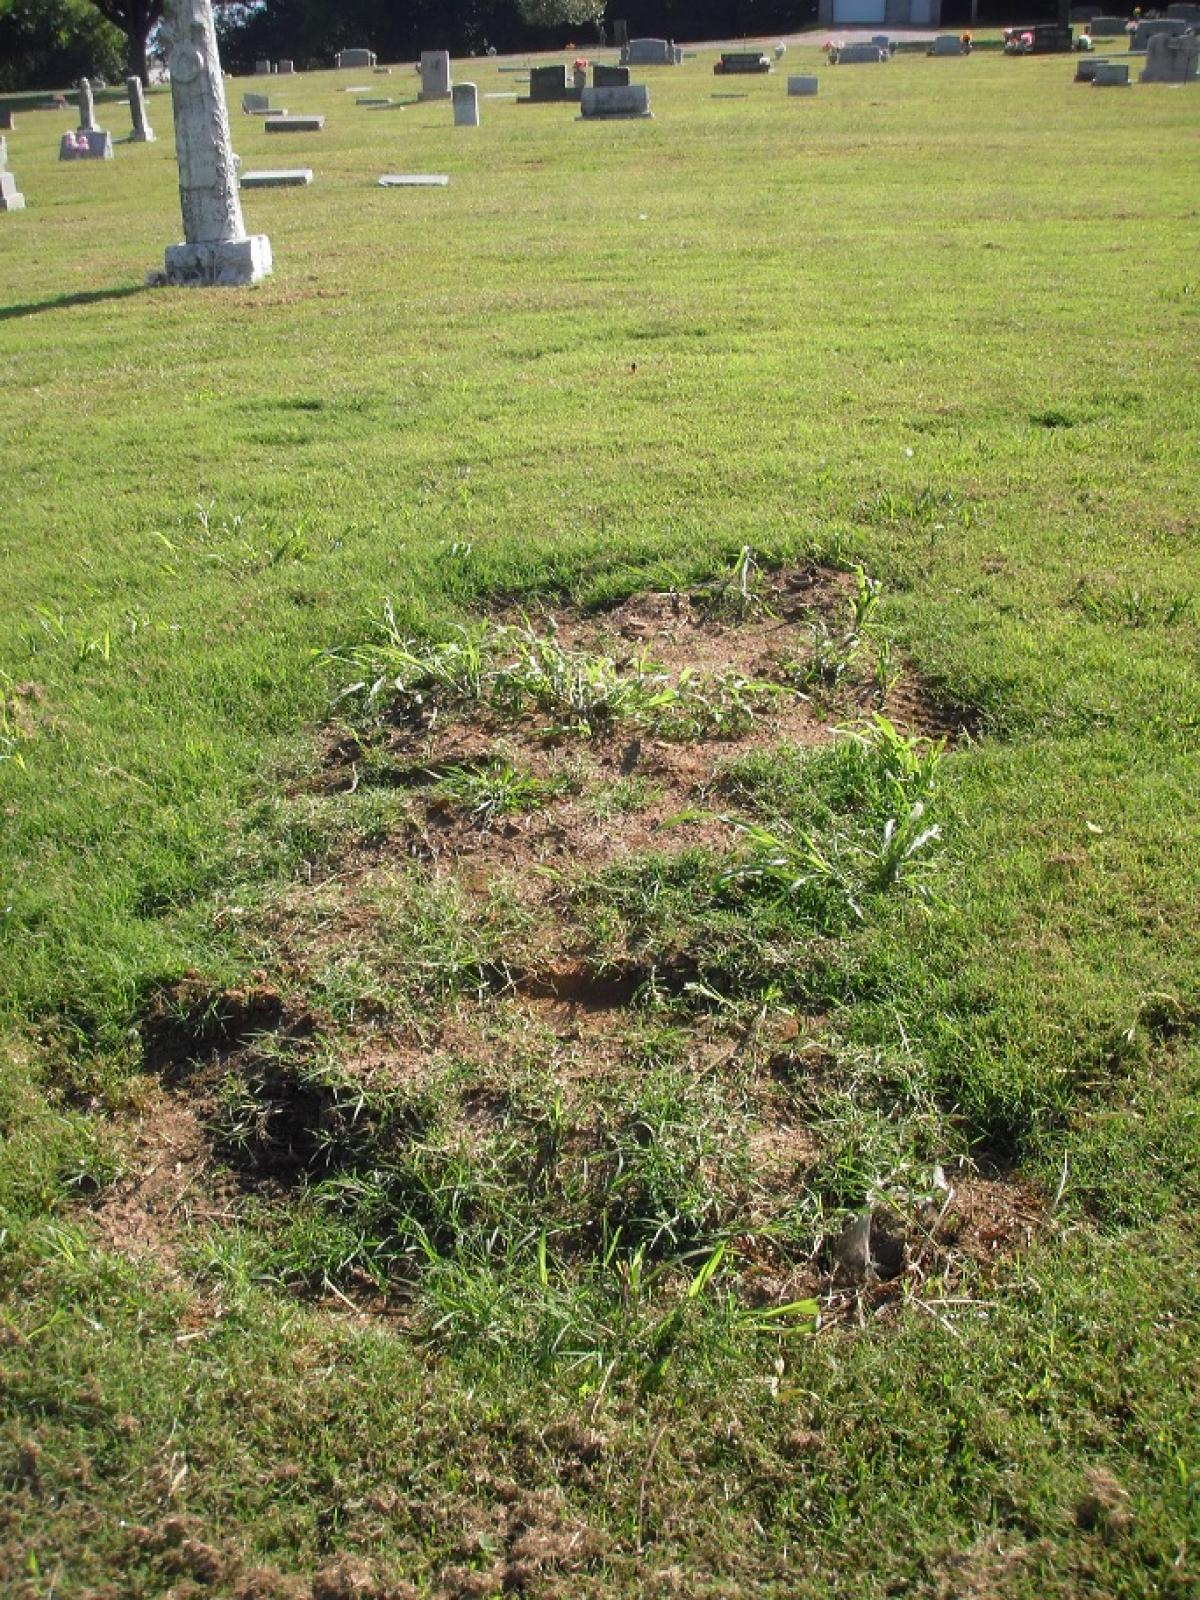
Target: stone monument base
column 240, row 261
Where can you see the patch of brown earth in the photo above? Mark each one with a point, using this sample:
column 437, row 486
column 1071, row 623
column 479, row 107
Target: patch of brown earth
column 626, row 791
column 168, row 1182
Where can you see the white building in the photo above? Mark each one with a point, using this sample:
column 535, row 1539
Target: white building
column 879, row 13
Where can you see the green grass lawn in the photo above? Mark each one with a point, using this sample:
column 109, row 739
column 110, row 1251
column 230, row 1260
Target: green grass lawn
column 433, row 1116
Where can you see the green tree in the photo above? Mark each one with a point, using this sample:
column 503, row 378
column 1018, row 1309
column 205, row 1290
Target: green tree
column 48, row 44
column 555, row 13
column 136, row 19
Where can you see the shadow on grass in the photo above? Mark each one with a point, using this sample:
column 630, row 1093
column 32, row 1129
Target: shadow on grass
column 61, row 302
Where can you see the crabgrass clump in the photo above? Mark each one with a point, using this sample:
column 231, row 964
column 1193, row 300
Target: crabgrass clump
column 493, row 790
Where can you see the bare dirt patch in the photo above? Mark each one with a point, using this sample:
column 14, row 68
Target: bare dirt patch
column 450, row 995
column 624, row 791
column 168, row 1182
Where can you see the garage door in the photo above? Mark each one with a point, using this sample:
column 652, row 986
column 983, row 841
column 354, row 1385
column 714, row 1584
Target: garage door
column 857, row 13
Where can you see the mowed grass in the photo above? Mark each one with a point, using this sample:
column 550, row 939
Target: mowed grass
column 940, row 322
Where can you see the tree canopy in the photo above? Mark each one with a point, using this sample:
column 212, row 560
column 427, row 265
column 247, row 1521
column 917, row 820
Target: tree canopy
column 48, row 44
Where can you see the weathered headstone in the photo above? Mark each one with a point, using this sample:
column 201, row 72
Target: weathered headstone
column 651, row 53
column 8, row 121
column 802, row 85
column 87, row 107
column 466, row 105
column 742, row 61
column 946, row 44
column 262, row 69
column 10, row 197
column 294, row 124
column 1040, row 39
column 620, row 34
column 1085, row 67
column 884, row 41
column 1189, row 12
column 216, row 248
column 286, row 68
column 1172, row 59
column 609, row 77
column 355, row 58
column 547, row 84
column 852, row 55
column 435, row 75
column 278, row 178
column 629, row 100
column 1145, row 31
column 142, row 133
column 1107, row 27
column 254, row 105
column 1111, row 75
column 86, row 144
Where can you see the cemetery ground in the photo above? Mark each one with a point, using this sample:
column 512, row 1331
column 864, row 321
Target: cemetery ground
column 600, row 851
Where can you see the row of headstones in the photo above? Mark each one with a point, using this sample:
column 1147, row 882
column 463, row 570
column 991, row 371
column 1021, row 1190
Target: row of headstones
column 90, row 142
column 1171, row 58
column 1178, row 20
column 267, row 69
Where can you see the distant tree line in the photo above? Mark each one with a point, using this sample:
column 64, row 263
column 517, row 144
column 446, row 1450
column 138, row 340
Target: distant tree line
column 310, row 31
column 50, row 43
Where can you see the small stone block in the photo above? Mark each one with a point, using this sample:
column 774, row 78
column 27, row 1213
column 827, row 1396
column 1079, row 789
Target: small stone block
column 294, row 124
column 802, row 85
column 8, row 121
column 1111, row 75
column 414, row 180
column 278, row 178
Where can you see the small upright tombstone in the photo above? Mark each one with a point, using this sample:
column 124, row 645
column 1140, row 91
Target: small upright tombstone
column 620, row 34
column 8, row 121
column 466, row 105
column 852, row 55
column 1107, row 27
column 355, row 58
column 547, row 85
column 609, row 77
column 262, row 69
column 10, row 198
column 216, row 248
column 946, row 44
column 631, row 100
column 651, row 53
column 142, row 132
column 1147, row 28
column 286, row 68
column 798, row 85
column 1171, row 59
column 87, row 107
column 1111, row 75
column 435, row 75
